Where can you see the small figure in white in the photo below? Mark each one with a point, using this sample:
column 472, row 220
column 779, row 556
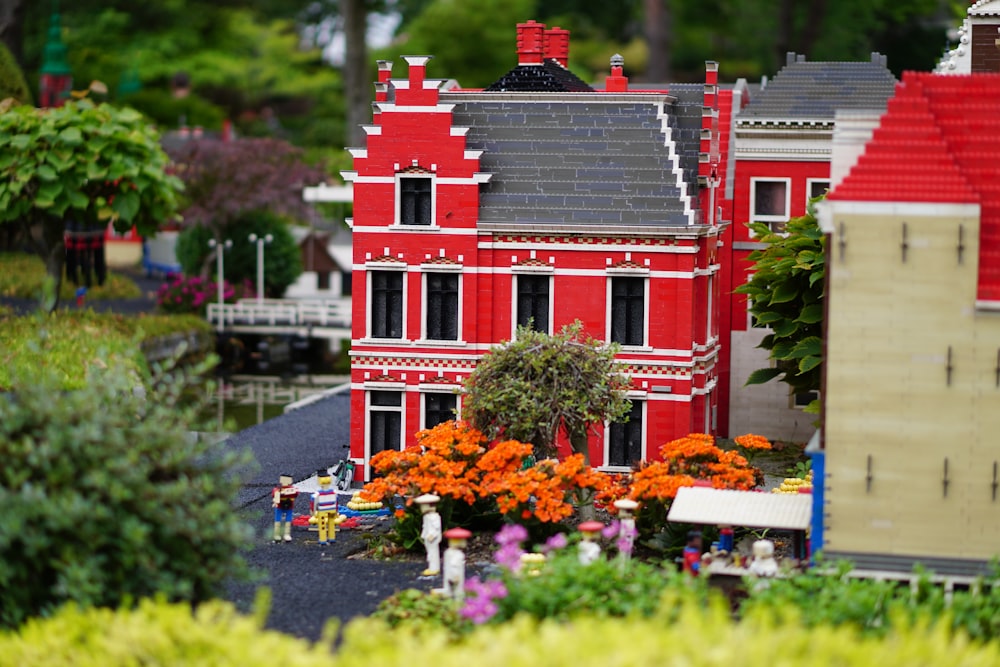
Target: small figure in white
column 590, row 550
column 764, row 564
column 430, row 534
column 626, row 527
column 454, row 563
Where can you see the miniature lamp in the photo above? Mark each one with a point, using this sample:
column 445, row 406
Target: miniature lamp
column 626, row 527
column 454, row 563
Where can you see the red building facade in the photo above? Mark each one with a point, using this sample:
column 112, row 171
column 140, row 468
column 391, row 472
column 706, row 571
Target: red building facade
column 537, row 200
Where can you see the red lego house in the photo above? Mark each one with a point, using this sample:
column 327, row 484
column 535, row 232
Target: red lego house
column 783, row 141
column 540, row 200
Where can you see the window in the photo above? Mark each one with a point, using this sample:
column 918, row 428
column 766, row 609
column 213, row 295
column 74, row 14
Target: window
column 802, row 399
column 386, row 304
column 816, row 188
column 346, row 283
column 533, row 301
column 625, row 439
column 770, row 202
column 323, row 280
column 628, row 304
column 415, row 201
column 442, row 306
column 438, row 408
column 385, row 421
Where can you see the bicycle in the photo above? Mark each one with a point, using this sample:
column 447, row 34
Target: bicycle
column 343, row 472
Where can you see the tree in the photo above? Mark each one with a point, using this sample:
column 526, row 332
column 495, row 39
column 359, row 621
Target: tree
column 93, row 164
column 12, row 83
column 538, row 385
column 282, row 257
column 225, row 179
column 106, row 499
column 786, row 295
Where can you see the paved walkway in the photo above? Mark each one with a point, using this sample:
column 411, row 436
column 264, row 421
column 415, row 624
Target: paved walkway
column 309, row 584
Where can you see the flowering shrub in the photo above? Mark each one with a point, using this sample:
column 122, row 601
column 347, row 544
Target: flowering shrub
column 478, row 483
column 183, row 294
column 684, row 461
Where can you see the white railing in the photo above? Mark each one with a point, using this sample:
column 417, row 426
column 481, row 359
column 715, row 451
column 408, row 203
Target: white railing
column 334, row 313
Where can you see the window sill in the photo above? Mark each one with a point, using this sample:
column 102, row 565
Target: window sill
column 614, row 469
column 385, row 341
column 636, row 348
column 428, row 342
column 415, row 228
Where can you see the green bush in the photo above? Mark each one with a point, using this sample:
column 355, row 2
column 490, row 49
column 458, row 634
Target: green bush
column 282, row 257
column 166, row 110
column 12, row 83
column 104, row 497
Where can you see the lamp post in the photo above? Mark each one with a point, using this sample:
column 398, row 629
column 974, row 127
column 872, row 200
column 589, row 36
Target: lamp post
column 261, row 242
column 219, row 252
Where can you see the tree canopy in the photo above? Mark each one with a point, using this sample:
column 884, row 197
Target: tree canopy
column 538, row 385
column 93, row 164
column 786, row 294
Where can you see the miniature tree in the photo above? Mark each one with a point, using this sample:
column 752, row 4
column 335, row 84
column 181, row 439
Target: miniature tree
column 537, row 385
column 786, row 295
column 94, row 164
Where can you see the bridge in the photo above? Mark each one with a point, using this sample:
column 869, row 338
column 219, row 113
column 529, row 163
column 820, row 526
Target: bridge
column 309, row 318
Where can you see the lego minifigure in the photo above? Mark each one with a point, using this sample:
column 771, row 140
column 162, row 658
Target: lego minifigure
column 324, row 508
column 589, row 549
column 431, row 532
column 726, row 540
column 764, row 564
column 454, row 563
column 692, row 553
column 283, row 501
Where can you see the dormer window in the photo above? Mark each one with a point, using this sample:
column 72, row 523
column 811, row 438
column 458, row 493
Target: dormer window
column 415, row 197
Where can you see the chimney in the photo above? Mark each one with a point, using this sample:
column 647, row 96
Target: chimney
column 616, row 83
column 530, row 43
column 418, row 68
column 382, row 86
column 556, row 45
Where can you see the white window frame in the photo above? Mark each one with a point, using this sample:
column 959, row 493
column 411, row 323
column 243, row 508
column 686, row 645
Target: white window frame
column 426, row 389
column 397, row 222
column 628, row 273
column 809, row 186
column 770, row 219
column 397, row 387
column 516, row 272
column 371, row 268
column 606, row 453
column 441, row 268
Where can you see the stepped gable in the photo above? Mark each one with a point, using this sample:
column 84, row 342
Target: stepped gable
column 549, row 77
column 561, row 159
column 939, row 141
column 816, row 90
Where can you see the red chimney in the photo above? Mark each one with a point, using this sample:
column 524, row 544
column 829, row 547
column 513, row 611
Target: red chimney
column 530, row 43
column 556, row 46
column 617, row 82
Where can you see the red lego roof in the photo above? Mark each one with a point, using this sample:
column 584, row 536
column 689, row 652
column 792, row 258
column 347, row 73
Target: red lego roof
column 938, row 141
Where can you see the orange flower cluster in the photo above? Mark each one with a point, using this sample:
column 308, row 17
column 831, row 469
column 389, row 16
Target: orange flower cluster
column 453, row 461
column 693, row 457
column 751, row 442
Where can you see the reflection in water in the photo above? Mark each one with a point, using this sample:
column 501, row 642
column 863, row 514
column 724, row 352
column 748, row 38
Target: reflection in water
column 242, row 401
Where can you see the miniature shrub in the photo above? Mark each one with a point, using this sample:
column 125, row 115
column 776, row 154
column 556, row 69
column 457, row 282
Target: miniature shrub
column 181, row 294
column 23, row 276
column 105, row 499
column 155, row 633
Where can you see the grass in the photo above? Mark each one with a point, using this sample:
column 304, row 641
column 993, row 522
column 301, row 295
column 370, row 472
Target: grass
column 22, row 276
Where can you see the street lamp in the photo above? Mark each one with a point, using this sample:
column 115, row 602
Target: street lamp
column 219, row 252
column 261, row 242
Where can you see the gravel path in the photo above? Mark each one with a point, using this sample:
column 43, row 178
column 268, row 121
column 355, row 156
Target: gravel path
column 309, row 584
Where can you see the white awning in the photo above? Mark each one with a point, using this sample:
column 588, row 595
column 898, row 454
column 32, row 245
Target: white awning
column 750, row 509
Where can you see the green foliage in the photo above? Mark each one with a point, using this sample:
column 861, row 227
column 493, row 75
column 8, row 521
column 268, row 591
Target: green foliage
column 70, row 343
column 786, row 295
column 105, row 498
column 23, row 276
column 564, row 589
column 422, row 613
column 282, row 258
column 530, row 388
column 820, row 598
column 156, row 633
column 167, row 111
column 12, row 83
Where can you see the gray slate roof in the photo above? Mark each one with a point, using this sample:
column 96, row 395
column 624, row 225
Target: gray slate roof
column 816, row 90
column 582, row 159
